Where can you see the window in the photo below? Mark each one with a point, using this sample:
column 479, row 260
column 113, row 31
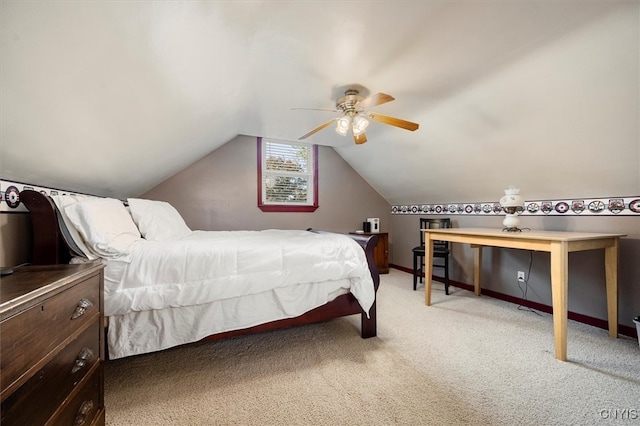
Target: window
column 287, row 176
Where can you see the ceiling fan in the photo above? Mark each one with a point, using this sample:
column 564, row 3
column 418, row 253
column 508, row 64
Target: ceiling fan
column 355, row 115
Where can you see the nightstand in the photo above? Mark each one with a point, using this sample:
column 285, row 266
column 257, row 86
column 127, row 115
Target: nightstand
column 381, row 251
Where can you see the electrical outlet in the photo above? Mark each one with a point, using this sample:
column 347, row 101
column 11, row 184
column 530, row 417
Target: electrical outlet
column 521, row 276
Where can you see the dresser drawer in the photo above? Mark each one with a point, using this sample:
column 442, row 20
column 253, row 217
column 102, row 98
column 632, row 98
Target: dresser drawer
column 36, row 400
column 85, row 406
column 30, row 336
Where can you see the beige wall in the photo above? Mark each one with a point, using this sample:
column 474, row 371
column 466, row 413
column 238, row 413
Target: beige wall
column 219, row 192
column 586, row 269
column 15, row 239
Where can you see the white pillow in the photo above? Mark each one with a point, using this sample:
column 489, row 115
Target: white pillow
column 106, row 226
column 157, row 220
column 63, row 201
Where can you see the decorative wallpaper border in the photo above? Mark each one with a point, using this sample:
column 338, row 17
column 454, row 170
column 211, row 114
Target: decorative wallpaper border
column 10, row 195
column 608, row 206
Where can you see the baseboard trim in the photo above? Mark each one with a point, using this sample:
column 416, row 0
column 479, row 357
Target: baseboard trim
column 585, row 319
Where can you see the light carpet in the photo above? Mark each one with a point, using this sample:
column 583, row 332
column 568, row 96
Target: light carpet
column 464, row 360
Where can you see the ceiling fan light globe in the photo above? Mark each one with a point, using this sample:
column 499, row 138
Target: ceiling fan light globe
column 359, row 124
column 341, row 131
column 343, row 123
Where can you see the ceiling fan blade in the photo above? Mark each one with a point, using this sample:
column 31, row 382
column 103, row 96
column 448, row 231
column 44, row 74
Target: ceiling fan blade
column 375, row 100
column 393, row 121
column 317, row 129
column 360, row 139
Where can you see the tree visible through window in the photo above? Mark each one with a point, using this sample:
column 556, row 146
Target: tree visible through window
column 287, row 176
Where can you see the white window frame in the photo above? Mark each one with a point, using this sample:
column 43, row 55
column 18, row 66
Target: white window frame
column 264, row 176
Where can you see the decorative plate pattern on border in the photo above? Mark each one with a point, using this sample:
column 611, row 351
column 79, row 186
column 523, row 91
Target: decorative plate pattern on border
column 616, row 205
column 619, row 206
column 596, row 206
column 12, row 197
column 577, row 206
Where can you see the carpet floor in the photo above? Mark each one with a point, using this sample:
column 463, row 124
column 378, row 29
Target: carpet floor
column 465, row 360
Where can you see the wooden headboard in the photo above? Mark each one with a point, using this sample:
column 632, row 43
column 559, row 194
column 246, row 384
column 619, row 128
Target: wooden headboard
column 49, row 244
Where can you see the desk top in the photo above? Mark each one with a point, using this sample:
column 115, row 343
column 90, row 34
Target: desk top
column 525, row 234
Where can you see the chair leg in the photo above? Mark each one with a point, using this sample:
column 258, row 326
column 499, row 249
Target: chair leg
column 446, row 276
column 415, row 271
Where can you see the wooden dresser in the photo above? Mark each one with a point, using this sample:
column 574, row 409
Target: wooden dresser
column 381, row 251
column 52, row 345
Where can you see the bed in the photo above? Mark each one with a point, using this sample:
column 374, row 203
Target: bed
column 166, row 285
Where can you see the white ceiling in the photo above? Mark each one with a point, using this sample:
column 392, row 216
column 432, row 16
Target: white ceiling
column 114, row 97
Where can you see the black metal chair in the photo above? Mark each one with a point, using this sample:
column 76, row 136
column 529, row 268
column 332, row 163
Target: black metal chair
column 440, row 251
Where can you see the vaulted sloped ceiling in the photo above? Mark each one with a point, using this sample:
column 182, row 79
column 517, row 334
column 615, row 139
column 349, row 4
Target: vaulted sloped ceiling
column 114, row 97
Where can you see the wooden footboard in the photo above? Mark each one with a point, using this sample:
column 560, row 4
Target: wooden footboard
column 368, row 324
column 50, row 247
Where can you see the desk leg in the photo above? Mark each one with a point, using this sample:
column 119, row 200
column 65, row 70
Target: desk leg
column 477, row 268
column 428, row 268
column 611, row 276
column 559, row 289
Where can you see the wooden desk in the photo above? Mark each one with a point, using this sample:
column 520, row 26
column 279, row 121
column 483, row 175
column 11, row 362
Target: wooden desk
column 559, row 244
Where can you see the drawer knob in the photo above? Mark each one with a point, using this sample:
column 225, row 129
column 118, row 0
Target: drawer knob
column 82, row 307
column 84, row 357
column 83, row 412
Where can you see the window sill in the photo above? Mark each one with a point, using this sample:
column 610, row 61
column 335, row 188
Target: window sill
column 285, row 208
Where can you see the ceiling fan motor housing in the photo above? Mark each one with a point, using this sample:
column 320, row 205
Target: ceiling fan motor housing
column 349, row 101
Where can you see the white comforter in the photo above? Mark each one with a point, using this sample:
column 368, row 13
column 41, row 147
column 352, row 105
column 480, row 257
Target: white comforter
column 210, row 266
